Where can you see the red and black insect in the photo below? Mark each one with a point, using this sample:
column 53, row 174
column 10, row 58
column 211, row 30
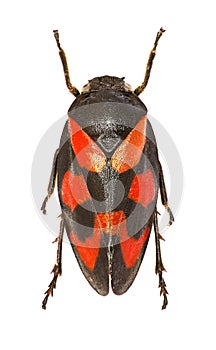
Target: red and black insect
column 109, row 176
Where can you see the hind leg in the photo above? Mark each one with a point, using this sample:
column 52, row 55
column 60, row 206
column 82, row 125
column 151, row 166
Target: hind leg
column 57, row 269
column 159, row 264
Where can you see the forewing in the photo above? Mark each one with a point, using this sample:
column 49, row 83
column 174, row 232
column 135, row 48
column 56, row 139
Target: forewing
column 141, row 191
column 78, row 156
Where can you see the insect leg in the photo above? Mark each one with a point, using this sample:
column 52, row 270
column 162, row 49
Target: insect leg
column 163, row 193
column 51, row 185
column 159, row 264
column 152, row 54
column 57, row 269
column 73, row 90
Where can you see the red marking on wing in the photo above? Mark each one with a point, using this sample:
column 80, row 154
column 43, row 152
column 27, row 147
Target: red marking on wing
column 89, row 249
column 129, row 152
column 74, row 190
column 88, row 154
column 88, row 256
column 132, row 247
column 143, row 188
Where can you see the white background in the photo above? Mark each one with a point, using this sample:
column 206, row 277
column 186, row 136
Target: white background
column 114, row 38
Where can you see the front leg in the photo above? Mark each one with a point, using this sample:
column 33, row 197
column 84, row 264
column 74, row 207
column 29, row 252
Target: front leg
column 163, row 193
column 52, row 180
column 142, row 87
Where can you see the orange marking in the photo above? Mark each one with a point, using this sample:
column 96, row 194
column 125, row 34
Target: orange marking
column 132, row 247
column 129, row 152
column 74, row 190
column 110, row 223
column 143, row 188
column 88, row 154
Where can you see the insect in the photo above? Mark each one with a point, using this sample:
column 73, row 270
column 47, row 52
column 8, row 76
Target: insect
column 109, row 177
